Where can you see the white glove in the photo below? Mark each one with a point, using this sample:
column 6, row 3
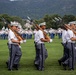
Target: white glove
column 51, row 40
column 21, row 42
column 24, row 41
column 19, row 46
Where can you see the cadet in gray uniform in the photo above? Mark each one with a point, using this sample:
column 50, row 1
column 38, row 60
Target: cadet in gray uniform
column 71, row 46
column 65, row 51
column 42, row 53
column 37, row 51
column 14, row 46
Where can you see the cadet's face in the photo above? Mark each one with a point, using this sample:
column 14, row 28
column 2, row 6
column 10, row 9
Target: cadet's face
column 75, row 26
column 72, row 26
column 17, row 29
column 14, row 27
column 43, row 27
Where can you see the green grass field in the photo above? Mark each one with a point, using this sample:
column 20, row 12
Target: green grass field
column 55, row 51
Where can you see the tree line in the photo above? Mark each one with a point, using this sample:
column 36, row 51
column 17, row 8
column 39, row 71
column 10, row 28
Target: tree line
column 52, row 21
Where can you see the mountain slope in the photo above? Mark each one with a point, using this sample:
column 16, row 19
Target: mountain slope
column 38, row 8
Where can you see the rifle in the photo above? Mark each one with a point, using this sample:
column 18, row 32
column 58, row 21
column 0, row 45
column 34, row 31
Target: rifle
column 70, row 28
column 38, row 27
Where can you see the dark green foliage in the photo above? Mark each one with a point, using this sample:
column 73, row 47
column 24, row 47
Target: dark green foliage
column 9, row 18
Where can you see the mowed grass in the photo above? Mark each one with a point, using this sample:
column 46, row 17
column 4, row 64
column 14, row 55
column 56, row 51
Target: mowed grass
column 55, row 51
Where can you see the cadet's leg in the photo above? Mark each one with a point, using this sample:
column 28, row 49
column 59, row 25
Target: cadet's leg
column 17, row 57
column 12, row 56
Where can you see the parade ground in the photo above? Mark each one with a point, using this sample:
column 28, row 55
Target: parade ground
column 55, row 52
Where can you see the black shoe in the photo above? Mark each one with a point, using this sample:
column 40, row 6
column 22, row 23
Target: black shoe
column 15, row 66
column 59, row 62
column 7, row 64
column 9, row 69
column 36, row 65
column 64, row 65
column 41, row 69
